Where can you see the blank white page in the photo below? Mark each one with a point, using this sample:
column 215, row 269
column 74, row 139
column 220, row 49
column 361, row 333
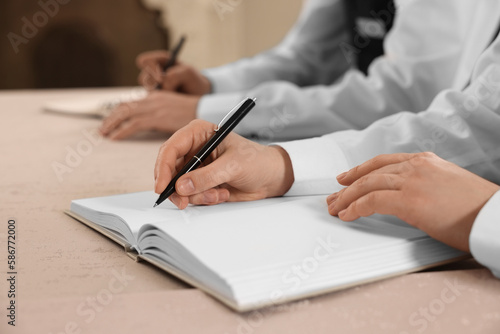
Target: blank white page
column 241, row 237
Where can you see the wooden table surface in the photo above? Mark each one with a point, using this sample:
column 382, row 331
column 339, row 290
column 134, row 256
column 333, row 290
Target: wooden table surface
column 71, row 279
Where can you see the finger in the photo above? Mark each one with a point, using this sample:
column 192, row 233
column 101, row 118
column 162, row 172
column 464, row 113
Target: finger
column 180, row 202
column 205, row 178
column 182, row 142
column 371, row 165
column 119, row 115
column 126, row 111
column 363, row 186
column 174, row 78
column 180, row 163
column 149, row 79
column 152, row 68
column 332, row 198
column 152, row 74
column 210, row 197
column 130, row 127
column 178, row 166
column 151, row 57
column 385, row 202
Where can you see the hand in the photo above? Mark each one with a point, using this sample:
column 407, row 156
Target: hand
column 237, row 170
column 427, row 192
column 162, row 111
column 180, row 78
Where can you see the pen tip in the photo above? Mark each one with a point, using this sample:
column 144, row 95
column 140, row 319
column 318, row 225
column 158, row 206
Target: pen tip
column 154, row 206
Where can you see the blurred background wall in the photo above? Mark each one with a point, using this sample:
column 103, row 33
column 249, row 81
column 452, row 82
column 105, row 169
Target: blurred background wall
column 93, row 43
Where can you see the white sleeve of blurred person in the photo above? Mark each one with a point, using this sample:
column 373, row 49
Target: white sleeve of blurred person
column 461, row 125
column 308, row 55
column 484, row 238
column 419, row 62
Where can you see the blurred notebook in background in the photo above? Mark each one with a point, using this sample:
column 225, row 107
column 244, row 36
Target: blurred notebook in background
column 94, row 106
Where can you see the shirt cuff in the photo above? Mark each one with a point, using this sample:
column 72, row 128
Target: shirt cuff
column 484, row 239
column 315, row 169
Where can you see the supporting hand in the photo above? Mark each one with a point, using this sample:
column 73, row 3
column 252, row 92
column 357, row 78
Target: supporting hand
column 422, row 189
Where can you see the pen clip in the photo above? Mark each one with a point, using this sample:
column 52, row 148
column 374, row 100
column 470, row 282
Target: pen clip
column 229, row 114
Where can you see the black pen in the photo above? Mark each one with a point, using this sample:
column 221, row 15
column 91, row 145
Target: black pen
column 173, row 58
column 227, row 124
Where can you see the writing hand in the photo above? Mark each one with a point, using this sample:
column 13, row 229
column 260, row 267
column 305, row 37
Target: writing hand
column 237, row 170
column 180, row 78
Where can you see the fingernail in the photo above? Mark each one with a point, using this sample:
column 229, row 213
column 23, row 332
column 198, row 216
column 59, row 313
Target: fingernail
column 331, row 207
column 341, row 176
column 185, row 187
column 342, row 213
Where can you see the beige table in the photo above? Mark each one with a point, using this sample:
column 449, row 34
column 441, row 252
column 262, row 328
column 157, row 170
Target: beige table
column 73, row 280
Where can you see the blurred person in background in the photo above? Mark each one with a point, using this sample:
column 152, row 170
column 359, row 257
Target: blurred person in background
column 331, row 38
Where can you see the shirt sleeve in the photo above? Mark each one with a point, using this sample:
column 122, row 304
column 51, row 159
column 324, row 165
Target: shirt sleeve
column 404, row 79
column 485, row 235
column 459, row 126
column 309, row 54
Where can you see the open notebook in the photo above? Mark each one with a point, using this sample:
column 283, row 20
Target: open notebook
column 255, row 254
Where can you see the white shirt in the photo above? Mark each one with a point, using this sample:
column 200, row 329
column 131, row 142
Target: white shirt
column 460, row 125
column 309, row 55
column 312, row 53
column 484, row 239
